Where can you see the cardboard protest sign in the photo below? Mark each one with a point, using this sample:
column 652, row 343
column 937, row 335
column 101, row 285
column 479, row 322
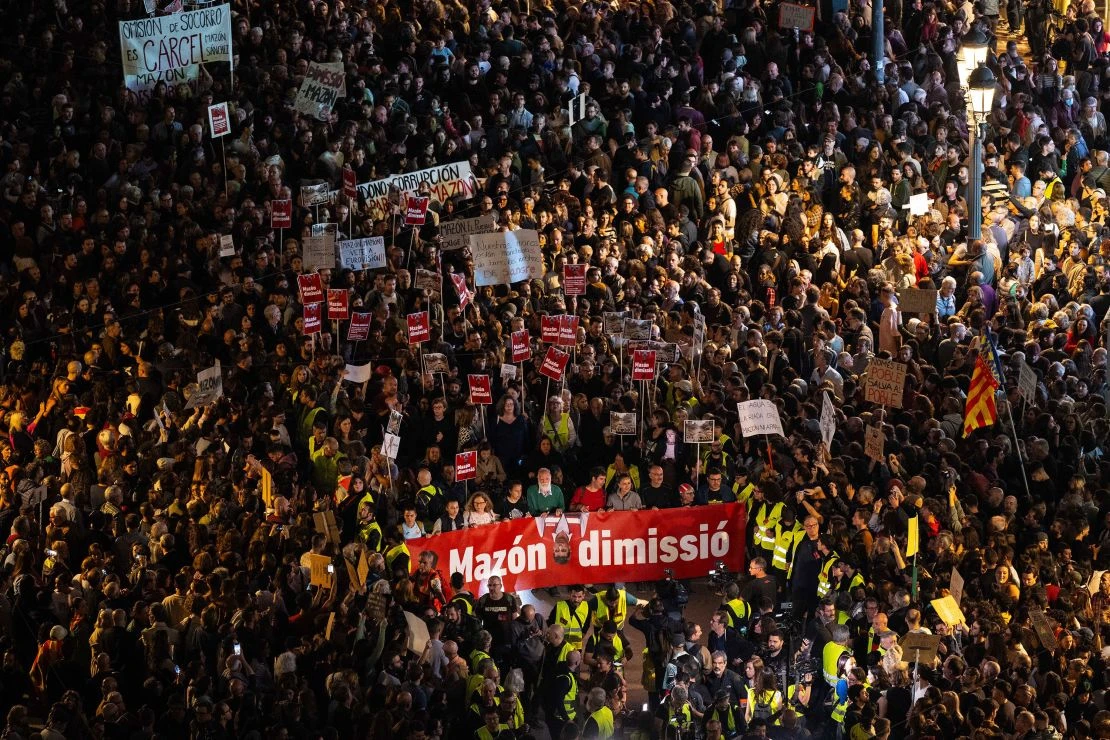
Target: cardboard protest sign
column 885, row 382
column 622, row 423
column 520, row 347
column 318, row 252
column 643, row 364
column 359, row 329
column 554, row 364
column 416, row 210
column 481, row 393
column 312, row 318
column 281, row 214
column 801, row 17
column 359, row 373
column 466, row 466
column 698, row 431
column 420, row 327
column 917, row 300
column 456, row 234
column 210, row 386
column 874, row 442
column 1027, row 383
column 219, row 122
column 574, row 279
column 324, row 523
column 321, row 571
column 956, row 586
column 324, row 84
column 506, row 257
column 338, row 304
column 759, row 417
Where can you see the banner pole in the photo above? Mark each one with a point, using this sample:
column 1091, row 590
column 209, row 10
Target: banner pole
column 281, row 248
column 223, row 156
column 697, row 466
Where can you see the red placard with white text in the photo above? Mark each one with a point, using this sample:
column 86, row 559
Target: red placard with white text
column 481, row 394
column 339, row 307
column 420, row 328
column 519, row 346
column 554, row 364
column 574, row 279
column 466, row 466
column 281, row 214
column 350, row 186
column 311, row 288
column 416, row 210
column 312, row 319
column 549, row 329
column 568, row 331
column 359, row 328
column 643, row 364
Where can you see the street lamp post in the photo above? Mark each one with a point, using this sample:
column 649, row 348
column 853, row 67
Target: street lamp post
column 978, row 83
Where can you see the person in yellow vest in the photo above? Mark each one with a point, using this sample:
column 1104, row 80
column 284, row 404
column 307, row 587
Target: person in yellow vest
column 829, row 557
column 788, row 533
column 462, row 596
column 492, row 727
column 611, row 638
column 766, row 512
column 737, row 609
column 481, row 650
column 676, row 717
column 836, row 657
column 557, row 426
column 561, row 695
column 573, row 613
column 846, row 577
column 765, row 701
column 397, row 556
column 742, row 487
column 601, row 722
column 369, row 531
column 725, row 713
column 611, row 604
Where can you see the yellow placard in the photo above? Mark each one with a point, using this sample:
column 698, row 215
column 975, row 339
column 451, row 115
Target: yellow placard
column 948, row 611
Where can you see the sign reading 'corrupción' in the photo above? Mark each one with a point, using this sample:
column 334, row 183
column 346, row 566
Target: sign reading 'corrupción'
column 603, row 547
column 506, row 257
column 171, row 48
column 443, row 181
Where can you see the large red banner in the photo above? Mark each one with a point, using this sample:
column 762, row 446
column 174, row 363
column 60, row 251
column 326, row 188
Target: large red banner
column 595, row 547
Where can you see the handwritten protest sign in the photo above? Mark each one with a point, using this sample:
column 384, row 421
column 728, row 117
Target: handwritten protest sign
column 506, row 257
column 171, row 49
column 917, row 300
column 210, row 386
column 362, row 254
column 759, row 417
column 885, row 381
column 323, row 85
column 456, row 234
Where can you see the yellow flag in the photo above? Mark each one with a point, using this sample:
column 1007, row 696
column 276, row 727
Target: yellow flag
column 267, row 488
column 911, row 540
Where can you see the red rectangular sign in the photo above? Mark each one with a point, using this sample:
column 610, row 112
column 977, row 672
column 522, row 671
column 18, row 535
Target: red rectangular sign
column 416, row 210
column 554, row 364
column 466, row 466
column 549, row 329
column 359, row 328
column 643, row 364
column 520, row 346
column 281, row 214
column 568, row 331
column 312, row 320
column 481, row 394
column 602, row 547
column 420, row 328
column 574, row 279
column 350, row 187
column 311, row 288
column 339, row 307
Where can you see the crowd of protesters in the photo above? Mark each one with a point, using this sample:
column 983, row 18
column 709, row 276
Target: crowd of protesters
column 156, row 572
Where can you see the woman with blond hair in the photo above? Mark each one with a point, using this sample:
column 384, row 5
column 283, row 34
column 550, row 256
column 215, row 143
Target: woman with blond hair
column 479, row 510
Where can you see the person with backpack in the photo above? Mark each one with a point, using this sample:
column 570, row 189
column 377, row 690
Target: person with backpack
column 765, row 699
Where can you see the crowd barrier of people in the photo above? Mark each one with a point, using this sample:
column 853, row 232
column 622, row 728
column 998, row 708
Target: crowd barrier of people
column 251, row 552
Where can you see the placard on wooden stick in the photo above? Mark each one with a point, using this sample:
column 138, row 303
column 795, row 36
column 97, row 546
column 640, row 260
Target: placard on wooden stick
column 325, row 525
column 320, row 571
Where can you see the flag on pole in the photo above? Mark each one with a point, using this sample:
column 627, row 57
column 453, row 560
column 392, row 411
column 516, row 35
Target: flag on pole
column 912, row 538
column 980, row 410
